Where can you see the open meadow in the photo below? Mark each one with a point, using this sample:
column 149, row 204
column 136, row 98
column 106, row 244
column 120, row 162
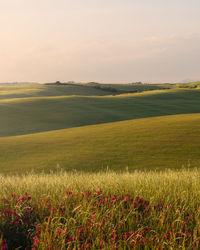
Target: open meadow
column 150, row 143
column 39, row 108
column 96, row 166
column 99, row 125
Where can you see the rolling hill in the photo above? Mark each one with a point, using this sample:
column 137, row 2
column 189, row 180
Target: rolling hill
column 39, row 108
column 149, row 143
column 90, row 127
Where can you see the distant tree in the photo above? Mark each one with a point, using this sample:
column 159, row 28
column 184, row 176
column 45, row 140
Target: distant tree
column 58, row 82
column 92, row 83
column 136, row 83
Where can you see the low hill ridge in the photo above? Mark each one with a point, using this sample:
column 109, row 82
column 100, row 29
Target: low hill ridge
column 149, row 143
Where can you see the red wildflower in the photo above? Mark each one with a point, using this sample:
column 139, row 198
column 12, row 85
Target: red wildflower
column 101, row 242
column 68, row 192
column 22, row 198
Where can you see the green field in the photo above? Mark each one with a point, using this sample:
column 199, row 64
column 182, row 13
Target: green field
column 53, row 107
column 149, row 143
column 77, row 126
column 92, row 166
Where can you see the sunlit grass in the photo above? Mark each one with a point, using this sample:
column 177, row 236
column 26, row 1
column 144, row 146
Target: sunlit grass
column 150, row 184
column 140, row 210
column 39, row 108
column 150, row 143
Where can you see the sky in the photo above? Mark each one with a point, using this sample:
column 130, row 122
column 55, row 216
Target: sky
column 113, row 41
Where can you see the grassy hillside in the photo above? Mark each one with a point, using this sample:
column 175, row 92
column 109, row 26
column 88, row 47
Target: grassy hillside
column 54, row 107
column 109, row 209
column 40, row 90
column 135, row 86
column 43, row 90
column 161, row 142
column 192, row 85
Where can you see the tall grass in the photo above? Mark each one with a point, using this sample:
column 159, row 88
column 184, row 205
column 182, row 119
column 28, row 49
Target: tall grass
column 150, row 184
column 140, row 210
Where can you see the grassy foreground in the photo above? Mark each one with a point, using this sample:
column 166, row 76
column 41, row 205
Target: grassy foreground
column 152, row 210
column 159, row 142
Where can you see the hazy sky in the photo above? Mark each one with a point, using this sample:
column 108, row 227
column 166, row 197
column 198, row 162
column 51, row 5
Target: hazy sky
column 99, row 40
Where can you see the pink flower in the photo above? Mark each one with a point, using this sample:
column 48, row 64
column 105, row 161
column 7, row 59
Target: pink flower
column 17, row 223
column 3, row 245
column 35, row 241
column 22, row 198
column 68, row 192
column 101, row 242
column 165, row 236
column 59, row 232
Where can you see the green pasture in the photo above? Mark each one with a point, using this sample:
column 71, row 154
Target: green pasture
column 135, row 86
column 149, row 143
column 81, row 127
column 92, row 161
column 48, row 108
column 40, row 90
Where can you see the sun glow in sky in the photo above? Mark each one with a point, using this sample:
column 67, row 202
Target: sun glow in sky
column 99, row 40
